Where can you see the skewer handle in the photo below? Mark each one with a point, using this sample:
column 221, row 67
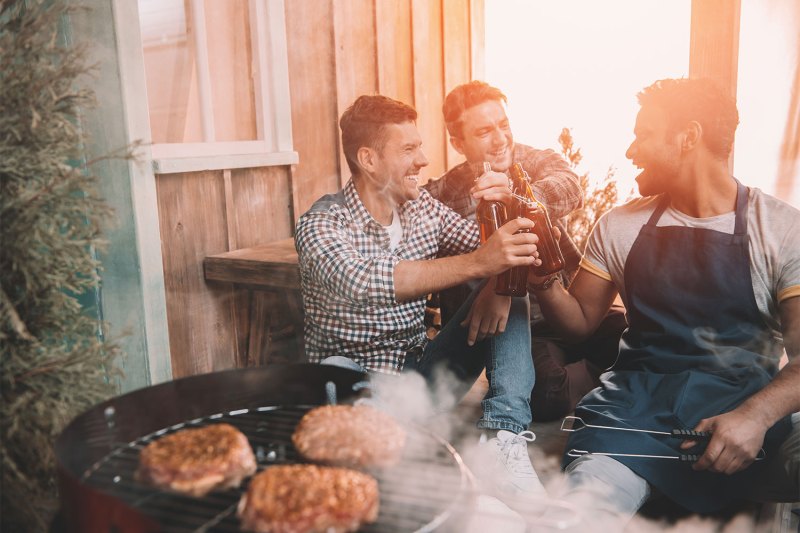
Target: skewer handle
column 689, row 458
column 690, row 434
column 572, row 424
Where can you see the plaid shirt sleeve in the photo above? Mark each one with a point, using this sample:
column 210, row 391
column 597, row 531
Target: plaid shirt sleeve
column 459, row 235
column 452, row 189
column 553, row 182
column 328, row 255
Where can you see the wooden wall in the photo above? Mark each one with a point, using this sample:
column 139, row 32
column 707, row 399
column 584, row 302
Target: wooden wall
column 714, row 41
column 412, row 50
column 205, row 213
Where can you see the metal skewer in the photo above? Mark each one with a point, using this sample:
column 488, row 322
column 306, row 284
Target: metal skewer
column 688, row 458
column 683, row 434
column 685, row 458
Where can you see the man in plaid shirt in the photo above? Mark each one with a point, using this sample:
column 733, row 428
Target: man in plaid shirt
column 479, row 129
column 370, row 254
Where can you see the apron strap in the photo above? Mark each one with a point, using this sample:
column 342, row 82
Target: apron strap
column 740, row 227
column 660, row 208
column 742, row 194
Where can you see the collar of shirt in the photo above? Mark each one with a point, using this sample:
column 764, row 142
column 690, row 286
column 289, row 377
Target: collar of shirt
column 365, row 220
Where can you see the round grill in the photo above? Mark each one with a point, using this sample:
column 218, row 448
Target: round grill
column 418, row 494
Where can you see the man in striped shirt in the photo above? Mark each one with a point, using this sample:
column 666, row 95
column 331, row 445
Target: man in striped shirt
column 370, row 254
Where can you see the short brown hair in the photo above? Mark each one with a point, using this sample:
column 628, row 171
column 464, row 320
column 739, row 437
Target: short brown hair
column 462, row 98
column 364, row 124
column 696, row 99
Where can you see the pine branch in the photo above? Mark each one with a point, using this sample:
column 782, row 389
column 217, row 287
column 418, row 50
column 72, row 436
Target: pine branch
column 12, row 316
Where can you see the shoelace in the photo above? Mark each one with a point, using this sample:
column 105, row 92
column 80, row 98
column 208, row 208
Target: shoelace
column 516, row 450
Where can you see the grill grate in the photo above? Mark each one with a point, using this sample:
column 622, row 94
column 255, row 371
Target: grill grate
column 418, row 494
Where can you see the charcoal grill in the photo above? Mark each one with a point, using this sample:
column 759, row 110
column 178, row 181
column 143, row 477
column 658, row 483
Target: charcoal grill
column 98, row 453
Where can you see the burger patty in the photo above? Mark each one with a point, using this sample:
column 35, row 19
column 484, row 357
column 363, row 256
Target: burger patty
column 197, row 461
column 304, row 498
column 345, row 435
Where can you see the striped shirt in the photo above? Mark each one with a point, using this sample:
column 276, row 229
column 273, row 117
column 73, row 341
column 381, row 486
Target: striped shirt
column 347, row 276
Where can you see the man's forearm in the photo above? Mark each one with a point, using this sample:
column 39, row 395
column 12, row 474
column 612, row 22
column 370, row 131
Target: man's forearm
column 782, row 396
column 576, row 313
column 506, row 248
column 413, row 279
column 563, row 312
column 778, row 399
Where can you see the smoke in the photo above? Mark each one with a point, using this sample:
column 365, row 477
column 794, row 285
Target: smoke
column 730, row 353
column 441, row 408
column 410, row 399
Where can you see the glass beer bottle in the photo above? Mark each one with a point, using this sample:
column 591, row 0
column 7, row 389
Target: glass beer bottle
column 489, row 214
column 513, row 282
column 549, row 250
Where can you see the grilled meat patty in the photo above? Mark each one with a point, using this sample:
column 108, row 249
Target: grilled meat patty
column 349, row 435
column 306, row 498
column 196, row 461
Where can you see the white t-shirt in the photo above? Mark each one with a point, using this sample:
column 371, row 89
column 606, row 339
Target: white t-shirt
column 773, row 227
column 395, row 231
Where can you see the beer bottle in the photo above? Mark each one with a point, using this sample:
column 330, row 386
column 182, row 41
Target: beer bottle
column 549, row 250
column 513, row 282
column 490, row 214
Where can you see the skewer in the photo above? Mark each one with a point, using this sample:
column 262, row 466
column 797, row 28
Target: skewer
column 683, row 434
column 685, row 458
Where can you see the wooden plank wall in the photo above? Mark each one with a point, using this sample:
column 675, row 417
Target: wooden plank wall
column 205, row 213
column 412, row 50
column 714, row 41
column 714, row 44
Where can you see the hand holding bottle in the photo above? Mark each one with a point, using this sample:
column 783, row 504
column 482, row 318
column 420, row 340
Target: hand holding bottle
column 507, row 247
column 490, row 186
column 552, row 260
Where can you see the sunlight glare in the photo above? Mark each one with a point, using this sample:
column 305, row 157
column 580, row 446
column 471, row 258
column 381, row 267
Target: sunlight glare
column 579, row 64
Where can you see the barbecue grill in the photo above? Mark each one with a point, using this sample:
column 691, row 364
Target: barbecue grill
column 98, row 453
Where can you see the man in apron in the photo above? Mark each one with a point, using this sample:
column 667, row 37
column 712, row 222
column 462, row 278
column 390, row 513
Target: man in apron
column 709, row 272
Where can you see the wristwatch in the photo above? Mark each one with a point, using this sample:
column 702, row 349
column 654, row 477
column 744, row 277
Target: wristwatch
column 546, row 284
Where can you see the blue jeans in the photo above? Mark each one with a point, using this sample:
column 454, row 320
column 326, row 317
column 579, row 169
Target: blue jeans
column 506, row 357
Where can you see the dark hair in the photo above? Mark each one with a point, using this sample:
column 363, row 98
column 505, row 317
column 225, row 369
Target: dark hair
column 364, row 124
column 698, row 99
column 462, row 98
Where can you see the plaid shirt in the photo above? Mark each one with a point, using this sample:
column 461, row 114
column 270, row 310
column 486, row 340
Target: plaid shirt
column 347, row 276
column 553, row 183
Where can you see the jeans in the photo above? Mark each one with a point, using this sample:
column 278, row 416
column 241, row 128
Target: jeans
column 608, row 488
column 450, row 367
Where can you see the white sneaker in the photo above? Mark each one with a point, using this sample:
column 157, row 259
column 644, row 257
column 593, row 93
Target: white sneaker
column 512, row 472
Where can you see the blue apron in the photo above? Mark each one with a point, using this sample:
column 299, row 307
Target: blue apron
column 697, row 346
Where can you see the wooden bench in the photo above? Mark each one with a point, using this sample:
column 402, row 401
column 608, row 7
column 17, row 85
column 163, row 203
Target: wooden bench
column 269, row 306
column 266, row 266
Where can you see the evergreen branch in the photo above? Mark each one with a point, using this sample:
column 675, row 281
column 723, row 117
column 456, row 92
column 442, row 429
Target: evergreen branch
column 43, row 369
column 16, row 322
column 124, row 153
